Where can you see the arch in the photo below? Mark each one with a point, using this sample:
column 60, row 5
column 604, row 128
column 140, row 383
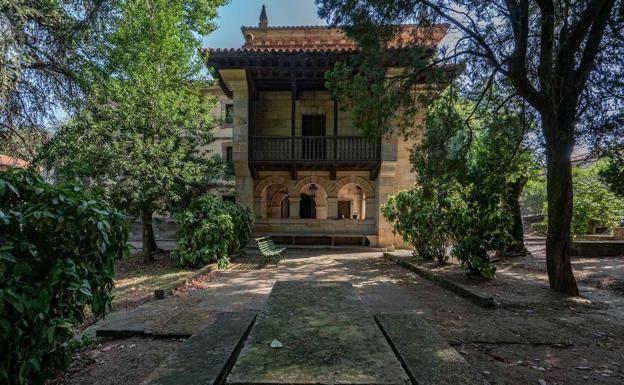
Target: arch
column 271, row 202
column 301, row 183
column 320, row 198
column 269, row 180
column 352, row 202
column 367, row 186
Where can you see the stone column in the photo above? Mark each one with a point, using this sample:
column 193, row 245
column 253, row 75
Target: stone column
column 293, row 202
column 371, row 208
column 332, row 208
column 236, row 80
column 259, row 203
column 385, row 186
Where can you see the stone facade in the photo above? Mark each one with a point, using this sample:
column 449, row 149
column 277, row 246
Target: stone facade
column 275, row 82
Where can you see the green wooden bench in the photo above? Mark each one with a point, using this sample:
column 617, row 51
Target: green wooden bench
column 268, row 251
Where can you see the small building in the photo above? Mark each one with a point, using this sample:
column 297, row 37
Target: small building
column 299, row 162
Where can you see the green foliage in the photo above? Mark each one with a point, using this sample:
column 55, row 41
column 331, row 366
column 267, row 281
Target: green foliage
column 210, row 230
column 474, row 167
column 142, row 132
column 534, row 196
column 595, row 205
column 612, row 174
column 58, row 247
column 540, row 228
column 423, row 221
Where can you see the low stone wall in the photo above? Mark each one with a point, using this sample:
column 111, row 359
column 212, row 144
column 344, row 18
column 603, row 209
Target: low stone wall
column 589, row 249
column 315, row 226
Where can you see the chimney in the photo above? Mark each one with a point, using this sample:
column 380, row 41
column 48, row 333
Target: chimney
column 264, row 20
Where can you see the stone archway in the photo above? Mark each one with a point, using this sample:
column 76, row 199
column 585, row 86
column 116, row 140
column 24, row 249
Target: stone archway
column 319, row 200
column 317, row 180
column 352, row 202
column 366, row 186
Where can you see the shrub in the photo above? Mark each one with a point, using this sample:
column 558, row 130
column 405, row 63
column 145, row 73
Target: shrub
column 534, row 196
column 422, row 221
column 58, row 247
column 594, row 204
column 481, row 226
column 210, row 230
column 539, row 227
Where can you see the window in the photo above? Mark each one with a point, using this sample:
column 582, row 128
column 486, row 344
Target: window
column 229, row 159
column 229, row 113
column 229, row 153
column 229, row 198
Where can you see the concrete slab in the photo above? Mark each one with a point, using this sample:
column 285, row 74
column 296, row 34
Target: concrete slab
column 428, row 359
column 328, row 337
column 206, row 357
column 173, row 317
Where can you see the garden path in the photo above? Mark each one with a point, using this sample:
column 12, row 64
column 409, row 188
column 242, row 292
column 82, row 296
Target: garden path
column 546, row 337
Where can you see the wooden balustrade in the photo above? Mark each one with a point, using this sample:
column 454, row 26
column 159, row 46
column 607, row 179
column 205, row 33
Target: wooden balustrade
column 311, row 149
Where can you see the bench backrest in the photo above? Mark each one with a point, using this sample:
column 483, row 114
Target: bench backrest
column 265, row 244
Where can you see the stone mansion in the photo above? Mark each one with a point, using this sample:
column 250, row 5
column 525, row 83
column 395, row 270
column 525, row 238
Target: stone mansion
column 308, row 174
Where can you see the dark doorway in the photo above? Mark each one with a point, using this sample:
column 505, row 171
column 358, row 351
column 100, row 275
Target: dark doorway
column 313, row 126
column 307, row 207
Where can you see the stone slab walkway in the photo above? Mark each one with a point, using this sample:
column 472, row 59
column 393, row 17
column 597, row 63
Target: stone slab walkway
column 328, row 337
column 206, row 357
column 536, row 336
column 427, row 356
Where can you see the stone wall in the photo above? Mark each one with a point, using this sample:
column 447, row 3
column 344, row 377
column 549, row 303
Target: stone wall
column 272, row 113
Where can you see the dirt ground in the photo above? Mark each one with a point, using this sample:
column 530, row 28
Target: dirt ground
column 533, row 336
column 118, row 362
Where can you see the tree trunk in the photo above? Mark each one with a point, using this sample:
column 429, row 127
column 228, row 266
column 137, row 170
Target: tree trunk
column 517, row 230
column 559, row 191
column 515, row 246
column 149, row 242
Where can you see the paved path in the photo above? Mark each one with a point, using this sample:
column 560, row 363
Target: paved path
column 524, row 342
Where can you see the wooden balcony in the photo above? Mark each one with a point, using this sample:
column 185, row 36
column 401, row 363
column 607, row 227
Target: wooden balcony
column 331, row 153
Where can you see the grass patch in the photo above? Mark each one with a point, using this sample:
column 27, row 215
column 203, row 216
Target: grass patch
column 136, row 281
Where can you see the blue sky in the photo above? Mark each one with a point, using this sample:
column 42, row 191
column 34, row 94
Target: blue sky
column 246, row 12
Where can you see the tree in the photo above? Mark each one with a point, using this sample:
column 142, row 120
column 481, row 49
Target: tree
column 554, row 55
column 475, row 162
column 141, row 134
column 39, row 48
column 612, row 174
column 595, row 206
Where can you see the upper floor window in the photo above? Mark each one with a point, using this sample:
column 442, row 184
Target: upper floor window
column 229, row 113
column 229, row 153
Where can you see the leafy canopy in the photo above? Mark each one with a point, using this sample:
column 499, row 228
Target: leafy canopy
column 142, row 133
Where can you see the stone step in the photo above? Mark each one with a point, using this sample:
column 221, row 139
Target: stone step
column 207, row 357
column 427, row 358
column 326, row 334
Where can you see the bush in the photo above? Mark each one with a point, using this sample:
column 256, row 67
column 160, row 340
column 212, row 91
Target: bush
column 594, row 204
column 58, row 247
column 481, row 226
column 422, row 221
column 534, row 196
column 210, row 230
column 539, row 227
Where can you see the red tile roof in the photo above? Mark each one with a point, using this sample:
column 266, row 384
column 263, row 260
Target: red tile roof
column 9, row 161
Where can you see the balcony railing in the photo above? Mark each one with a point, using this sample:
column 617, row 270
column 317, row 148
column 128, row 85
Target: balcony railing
column 314, row 149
